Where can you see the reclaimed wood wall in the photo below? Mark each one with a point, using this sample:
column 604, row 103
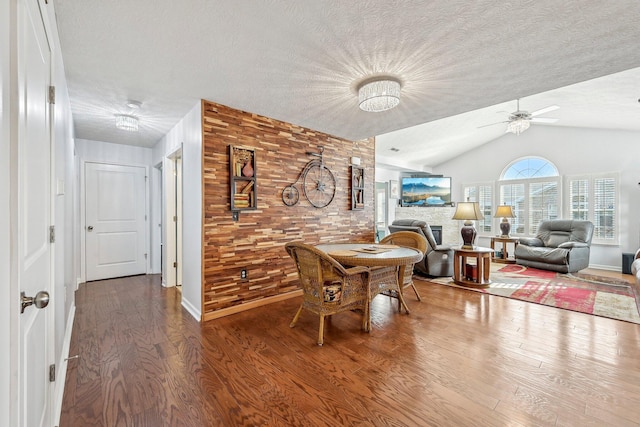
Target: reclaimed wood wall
column 256, row 241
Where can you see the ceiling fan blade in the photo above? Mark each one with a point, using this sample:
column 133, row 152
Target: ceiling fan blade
column 543, row 120
column 491, row 124
column 545, row 110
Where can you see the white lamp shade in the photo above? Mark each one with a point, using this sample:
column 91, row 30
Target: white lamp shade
column 504, row 211
column 468, row 211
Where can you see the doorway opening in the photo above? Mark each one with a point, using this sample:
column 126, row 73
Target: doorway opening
column 172, row 231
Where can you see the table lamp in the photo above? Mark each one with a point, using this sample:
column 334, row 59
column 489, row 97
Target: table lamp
column 468, row 211
column 505, row 212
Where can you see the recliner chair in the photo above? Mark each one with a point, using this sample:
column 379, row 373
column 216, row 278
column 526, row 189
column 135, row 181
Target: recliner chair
column 561, row 245
column 438, row 259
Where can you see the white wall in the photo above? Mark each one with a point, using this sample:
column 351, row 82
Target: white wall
column 574, row 151
column 188, row 135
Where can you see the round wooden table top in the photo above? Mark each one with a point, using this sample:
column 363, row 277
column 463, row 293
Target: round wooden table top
column 371, row 254
column 475, row 250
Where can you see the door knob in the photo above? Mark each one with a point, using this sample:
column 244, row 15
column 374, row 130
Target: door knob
column 41, row 300
column 90, row 228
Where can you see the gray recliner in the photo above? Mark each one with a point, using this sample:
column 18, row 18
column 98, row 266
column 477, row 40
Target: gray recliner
column 561, row 245
column 438, row 259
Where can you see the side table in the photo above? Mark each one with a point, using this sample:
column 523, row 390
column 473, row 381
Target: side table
column 483, row 266
column 503, row 257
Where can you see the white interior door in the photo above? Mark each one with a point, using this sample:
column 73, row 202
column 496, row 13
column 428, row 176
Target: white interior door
column 33, row 249
column 115, row 218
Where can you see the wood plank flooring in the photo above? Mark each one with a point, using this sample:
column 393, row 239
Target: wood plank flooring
column 459, row 359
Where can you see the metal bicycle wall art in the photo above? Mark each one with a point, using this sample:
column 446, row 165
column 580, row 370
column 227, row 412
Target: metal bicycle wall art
column 318, row 183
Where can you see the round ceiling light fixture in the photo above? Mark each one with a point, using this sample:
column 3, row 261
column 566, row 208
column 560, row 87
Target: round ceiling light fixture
column 379, row 94
column 127, row 122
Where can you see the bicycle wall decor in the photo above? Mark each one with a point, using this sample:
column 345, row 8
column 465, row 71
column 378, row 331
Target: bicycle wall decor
column 318, row 183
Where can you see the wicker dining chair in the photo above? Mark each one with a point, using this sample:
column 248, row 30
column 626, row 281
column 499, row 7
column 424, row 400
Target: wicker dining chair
column 328, row 287
column 412, row 240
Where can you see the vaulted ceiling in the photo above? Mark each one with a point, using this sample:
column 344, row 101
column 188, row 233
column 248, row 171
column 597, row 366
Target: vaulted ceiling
column 462, row 64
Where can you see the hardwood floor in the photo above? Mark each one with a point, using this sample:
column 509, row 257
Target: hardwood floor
column 459, row 359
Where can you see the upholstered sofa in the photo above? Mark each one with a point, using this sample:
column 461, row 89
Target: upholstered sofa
column 438, row 259
column 561, row 245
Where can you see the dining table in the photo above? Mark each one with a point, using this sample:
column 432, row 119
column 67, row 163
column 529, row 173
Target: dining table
column 384, row 261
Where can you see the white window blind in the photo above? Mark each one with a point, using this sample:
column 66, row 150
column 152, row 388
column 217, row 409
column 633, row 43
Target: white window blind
column 544, row 203
column 579, row 199
column 595, row 198
column 604, row 209
column 513, row 195
column 483, row 194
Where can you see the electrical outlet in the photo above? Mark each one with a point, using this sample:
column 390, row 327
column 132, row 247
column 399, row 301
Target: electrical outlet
column 243, row 274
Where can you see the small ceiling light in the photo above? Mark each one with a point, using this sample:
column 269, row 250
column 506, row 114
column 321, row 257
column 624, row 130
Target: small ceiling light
column 379, row 95
column 127, row 122
column 134, row 105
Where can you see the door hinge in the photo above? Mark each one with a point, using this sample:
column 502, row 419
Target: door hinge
column 175, row 218
column 52, row 94
column 52, row 234
column 175, row 265
column 52, row 373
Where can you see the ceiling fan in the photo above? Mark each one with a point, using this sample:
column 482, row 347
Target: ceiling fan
column 520, row 120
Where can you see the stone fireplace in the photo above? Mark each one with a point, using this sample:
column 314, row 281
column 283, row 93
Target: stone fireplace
column 435, row 216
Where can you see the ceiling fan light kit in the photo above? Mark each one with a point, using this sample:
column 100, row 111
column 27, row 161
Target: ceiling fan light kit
column 520, row 120
column 518, row 125
column 379, row 95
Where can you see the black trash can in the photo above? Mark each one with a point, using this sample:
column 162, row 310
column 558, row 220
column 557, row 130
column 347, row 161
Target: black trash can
column 627, row 260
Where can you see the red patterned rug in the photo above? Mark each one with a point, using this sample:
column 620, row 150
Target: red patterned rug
column 597, row 295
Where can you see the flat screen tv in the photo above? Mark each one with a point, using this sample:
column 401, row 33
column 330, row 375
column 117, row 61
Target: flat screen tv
column 426, row 191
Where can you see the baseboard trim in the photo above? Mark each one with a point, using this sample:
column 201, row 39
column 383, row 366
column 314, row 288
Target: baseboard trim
column 606, row 267
column 249, row 305
column 191, row 309
column 61, row 371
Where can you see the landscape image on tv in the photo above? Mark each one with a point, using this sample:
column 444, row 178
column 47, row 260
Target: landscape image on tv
column 426, row 191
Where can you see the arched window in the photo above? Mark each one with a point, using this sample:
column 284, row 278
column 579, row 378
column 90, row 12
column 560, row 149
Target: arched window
column 531, row 167
column 532, row 187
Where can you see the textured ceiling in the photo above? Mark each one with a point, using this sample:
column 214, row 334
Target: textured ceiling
column 301, row 61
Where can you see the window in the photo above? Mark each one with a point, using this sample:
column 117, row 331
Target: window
column 595, row 198
column 483, row 194
column 532, row 187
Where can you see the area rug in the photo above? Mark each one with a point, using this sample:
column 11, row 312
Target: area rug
column 600, row 296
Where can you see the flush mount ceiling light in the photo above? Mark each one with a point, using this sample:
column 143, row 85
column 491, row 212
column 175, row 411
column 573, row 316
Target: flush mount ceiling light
column 127, row 122
column 378, row 95
column 134, row 105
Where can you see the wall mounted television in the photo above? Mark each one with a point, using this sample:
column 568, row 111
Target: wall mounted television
column 426, row 191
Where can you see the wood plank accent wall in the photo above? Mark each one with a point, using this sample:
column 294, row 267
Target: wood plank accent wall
column 256, row 242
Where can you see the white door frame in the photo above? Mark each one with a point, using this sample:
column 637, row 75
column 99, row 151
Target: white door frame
column 83, row 219
column 171, row 229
